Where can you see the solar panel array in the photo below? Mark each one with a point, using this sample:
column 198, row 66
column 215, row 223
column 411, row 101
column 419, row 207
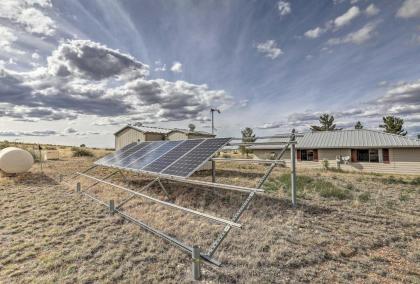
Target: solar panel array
column 175, row 158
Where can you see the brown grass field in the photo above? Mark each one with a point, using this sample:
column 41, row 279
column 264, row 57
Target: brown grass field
column 348, row 227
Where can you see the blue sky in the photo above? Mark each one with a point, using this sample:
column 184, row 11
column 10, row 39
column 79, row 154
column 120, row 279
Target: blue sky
column 73, row 72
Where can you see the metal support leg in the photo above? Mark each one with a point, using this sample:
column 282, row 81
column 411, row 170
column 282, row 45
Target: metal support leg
column 196, row 271
column 293, row 170
column 213, row 171
column 163, row 188
column 111, row 207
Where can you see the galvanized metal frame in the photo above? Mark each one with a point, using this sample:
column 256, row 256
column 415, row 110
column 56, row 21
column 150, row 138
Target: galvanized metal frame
column 208, row 256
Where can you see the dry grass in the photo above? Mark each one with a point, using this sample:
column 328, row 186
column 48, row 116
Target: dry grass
column 48, row 233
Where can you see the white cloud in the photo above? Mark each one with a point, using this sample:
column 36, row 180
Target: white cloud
column 347, row 17
column 284, row 8
column 314, row 33
column 269, row 49
column 27, row 14
column 35, row 56
column 176, row 67
column 6, row 39
column 372, row 10
column 358, row 37
column 409, row 9
column 159, row 67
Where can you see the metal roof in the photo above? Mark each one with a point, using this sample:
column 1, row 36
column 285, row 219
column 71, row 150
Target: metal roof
column 161, row 130
column 352, row 138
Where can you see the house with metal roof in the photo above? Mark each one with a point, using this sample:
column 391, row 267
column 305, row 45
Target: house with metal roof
column 136, row 133
column 353, row 150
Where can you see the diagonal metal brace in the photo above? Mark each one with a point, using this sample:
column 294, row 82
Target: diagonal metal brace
column 212, row 249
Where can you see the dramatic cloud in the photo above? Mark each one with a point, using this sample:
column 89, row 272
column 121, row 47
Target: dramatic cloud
column 83, row 77
column 26, row 13
column 269, row 49
column 284, row 8
column 347, row 17
column 176, row 67
column 314, row 33
column 357, row 37
column 409, row 9
column 372, row 10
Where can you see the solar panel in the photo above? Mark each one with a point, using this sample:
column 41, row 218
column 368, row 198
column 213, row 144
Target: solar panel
column 138, row 154
column 124, row 154
column 178, row 158
column 196, row 157
column 113, row 155
column 153, row 155
column 173, row 155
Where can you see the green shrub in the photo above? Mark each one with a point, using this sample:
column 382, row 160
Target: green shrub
column 394, row 180
column 80, row 152
column 4, row 144
column 226, row 156
column 415, row 181
column 325, row 164
column 364, row 197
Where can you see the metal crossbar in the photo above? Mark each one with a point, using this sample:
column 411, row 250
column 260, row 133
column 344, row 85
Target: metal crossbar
column 257, row 161
column 210, row 217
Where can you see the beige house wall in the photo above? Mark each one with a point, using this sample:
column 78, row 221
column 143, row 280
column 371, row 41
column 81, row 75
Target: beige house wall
column 154, row 137
column 128, row 136
column 402, row 161
column 174, row 136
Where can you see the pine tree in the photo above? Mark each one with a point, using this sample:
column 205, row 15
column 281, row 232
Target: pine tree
column 393, row 124
column 327, row 123
column 358, row 125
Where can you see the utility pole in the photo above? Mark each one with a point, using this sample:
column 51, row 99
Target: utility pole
column 212, row 110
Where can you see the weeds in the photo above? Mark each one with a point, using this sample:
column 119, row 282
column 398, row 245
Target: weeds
column 364, row 197
column 306, row 184
column 80, row 152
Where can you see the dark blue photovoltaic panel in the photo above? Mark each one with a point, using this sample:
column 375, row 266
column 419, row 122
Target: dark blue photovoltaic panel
column 125, row 154
column 138, row 154
column 178, row 158
column 170, row 157
column 153, row 155
column 113, row 155
column 196, row 157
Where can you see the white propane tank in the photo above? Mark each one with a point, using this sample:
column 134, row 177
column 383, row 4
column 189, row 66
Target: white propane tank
column 15, row 160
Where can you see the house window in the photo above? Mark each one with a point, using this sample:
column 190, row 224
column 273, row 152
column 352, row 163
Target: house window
column 367, row 155
column 307, row 155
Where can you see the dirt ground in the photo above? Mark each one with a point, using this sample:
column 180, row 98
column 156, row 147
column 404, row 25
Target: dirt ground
column 49, row 233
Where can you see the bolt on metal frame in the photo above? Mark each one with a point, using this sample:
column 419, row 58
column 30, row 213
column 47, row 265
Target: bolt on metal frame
column 229, row 224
